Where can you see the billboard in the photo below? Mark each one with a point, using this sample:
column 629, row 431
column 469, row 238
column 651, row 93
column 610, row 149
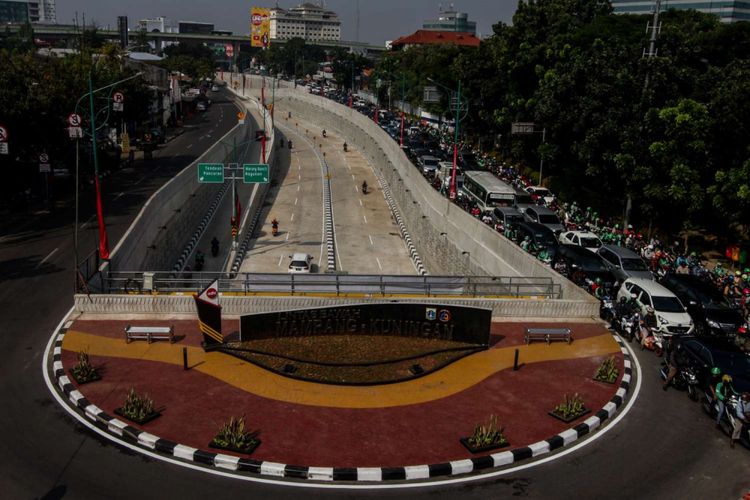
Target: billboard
column 260, row 27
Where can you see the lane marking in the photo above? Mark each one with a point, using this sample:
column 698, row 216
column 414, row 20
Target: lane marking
column 356, row 189
column 354, row 178
column 295, row 201
column 292, row 218
column 371, row 242
column 119, row 196
column 378, row 261
column 365, row 218
column 47, row 257
column 83, row 226
column 298, row 188
column 360, row 203
column 281, row 258
column 287, row 237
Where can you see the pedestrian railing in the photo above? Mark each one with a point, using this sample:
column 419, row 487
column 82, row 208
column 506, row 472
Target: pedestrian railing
column 334, row 284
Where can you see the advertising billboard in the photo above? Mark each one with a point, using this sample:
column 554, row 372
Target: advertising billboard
column 260, row 27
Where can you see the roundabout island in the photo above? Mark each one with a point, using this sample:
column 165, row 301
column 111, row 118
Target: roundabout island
column 368, row 405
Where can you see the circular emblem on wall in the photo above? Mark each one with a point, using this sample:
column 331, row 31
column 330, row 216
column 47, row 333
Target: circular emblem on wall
column 444, row 315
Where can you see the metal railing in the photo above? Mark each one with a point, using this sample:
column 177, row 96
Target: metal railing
column 334, row 284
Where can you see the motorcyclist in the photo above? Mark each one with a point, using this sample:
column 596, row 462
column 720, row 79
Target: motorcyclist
column 289, row 144
column 324, row 133
column 281, row 143
column 675, row 361
column 346, row 147
column 364, row 187
column 648, row 324
column 214, row 246
column 713, row 380
column 724, row 389
column 275, row 226
column 742, row 417
column 200, row 259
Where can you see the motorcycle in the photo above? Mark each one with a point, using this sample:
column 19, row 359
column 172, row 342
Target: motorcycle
column 275, row 228
column 289, row 144
column 627, row 324
column 364, row 188
column 728, row 419
column 346, row 148
column 281, row 143
column 214, row 247
column 686, row 379
column 654, row 342
column 607, row 310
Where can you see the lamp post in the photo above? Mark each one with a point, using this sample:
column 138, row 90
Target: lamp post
column 103, row 242
column 457, row 118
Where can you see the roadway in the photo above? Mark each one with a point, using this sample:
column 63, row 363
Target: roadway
column 664, row 448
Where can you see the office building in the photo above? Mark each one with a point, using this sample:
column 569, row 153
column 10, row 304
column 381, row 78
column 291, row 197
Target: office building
column 308, row 21
column 728, row 11
column 195, row 27
column 23, row 11
column 451, row 20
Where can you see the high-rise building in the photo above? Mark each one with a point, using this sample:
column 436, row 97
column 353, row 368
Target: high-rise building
column 451, row 20
column 728, row 11
column 32, row 11
column 307, row 20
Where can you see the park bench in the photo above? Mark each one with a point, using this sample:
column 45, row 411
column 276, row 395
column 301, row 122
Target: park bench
column 548, row 334
column 149, row 333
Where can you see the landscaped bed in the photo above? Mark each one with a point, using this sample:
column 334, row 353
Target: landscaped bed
column 362, row 359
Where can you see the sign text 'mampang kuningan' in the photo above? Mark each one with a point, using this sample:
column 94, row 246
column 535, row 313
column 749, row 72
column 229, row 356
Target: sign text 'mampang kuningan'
column 464, row 324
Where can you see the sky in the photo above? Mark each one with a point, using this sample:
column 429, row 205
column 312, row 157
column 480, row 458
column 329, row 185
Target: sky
column 380, row 20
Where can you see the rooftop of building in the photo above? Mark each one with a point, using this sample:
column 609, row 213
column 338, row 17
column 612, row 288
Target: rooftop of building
column 429, row 37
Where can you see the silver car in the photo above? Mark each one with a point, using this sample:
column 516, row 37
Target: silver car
column 624, row 263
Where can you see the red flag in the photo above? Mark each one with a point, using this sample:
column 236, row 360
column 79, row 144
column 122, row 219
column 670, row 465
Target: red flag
column 103, row 241
column 238, row 206
column 376, row 115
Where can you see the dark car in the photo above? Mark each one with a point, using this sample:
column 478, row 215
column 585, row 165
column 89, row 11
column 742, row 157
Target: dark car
column 707, row 352
column 468, row 161
column 710, row 310
column 541, row 236
column 577, row 258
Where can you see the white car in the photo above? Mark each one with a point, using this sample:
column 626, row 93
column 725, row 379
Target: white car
column 215, row 88
column 584, row 239
column 671, row 315
column 542, row 192
column 301, row 263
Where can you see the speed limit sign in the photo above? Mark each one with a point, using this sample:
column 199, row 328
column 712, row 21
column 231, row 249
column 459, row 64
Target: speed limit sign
column 74, row 120
column 118, row 97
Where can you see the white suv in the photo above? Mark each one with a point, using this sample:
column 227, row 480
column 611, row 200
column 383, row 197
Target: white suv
column 584, row 239
column 301, row 263
column 671, row 316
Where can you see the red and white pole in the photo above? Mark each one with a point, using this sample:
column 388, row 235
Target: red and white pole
column 452, row 190
column 402, row 129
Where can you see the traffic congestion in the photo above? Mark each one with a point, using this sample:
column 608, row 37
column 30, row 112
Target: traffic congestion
column 692, row 313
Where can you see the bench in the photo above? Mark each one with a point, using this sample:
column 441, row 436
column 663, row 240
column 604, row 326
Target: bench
column 149, row 333
column 548, row 334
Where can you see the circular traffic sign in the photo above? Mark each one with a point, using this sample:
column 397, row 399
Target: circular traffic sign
column 74, row 120
column 211, row 293
column 43, row 158
column 3, row 134
column 118, row 97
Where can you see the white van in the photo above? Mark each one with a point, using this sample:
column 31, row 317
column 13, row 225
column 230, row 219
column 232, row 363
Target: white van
column 671, row 315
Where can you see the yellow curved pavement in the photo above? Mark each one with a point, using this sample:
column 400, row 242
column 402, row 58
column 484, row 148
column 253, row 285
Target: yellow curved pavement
column 452, row 379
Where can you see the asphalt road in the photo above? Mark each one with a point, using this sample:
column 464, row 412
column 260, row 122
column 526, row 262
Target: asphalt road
column 664, row 448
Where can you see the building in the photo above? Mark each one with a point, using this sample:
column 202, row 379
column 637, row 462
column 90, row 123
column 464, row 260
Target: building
column 308, row 21
column 25, row 11
column 451, row 20
column 426, row 37
column 727, row 11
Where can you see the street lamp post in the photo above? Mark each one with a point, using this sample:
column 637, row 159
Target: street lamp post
column 457, row 118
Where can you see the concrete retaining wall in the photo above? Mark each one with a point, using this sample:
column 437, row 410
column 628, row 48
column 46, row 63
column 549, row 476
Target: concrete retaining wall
column 168, row 219
column 449, row 240
column 238, row 305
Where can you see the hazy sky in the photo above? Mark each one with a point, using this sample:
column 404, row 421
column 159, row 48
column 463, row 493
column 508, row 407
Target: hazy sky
column 380, row 20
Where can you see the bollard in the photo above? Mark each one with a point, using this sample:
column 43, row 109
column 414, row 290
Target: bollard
column 515, row 361
column 185, row 365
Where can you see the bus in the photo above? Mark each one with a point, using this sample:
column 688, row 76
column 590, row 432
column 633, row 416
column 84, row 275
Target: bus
column 487, row 191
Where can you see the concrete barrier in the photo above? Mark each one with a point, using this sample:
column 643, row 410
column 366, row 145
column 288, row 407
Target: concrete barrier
column 238, row 305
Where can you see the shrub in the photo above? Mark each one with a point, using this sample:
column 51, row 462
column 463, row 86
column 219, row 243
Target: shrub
column 571, row 407
column 607, row 371
column 232, row 435
column 83, row 371
column 137, row 407
column 487, row 435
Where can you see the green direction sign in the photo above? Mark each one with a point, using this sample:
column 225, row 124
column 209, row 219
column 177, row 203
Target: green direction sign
column 211, row 173
column 255, row 173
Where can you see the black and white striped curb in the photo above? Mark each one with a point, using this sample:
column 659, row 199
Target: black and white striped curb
column 401, row 226
column 239, row 257
column 198, row 234
column 150, row 442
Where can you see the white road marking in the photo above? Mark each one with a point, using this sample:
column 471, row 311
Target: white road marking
column 360, row 203
column 83, row 226
column 287, row 237
column 371, row 242
column 297, row 188
column 354, row 178
column 281, row 259
column 356, row 189
column 47, row 257
column 189, row 146
column 296, row 200
column 292, row 218
column 299, row 177
column 119, row 195
column 378, row 261
column 365, row 218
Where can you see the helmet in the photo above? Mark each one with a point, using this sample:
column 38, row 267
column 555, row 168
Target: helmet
column 633, row 296
column 649, row 309
column 746, row 270
column 598, row 281
column 630, row 226
column 715, row 370
column 726, row 378
column 744, row 276
column 718, row 264
column 738, row 273
column 731, row 279
column 639, row 236
column 746, row 291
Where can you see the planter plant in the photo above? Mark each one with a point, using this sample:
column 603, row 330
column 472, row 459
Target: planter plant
column 570, row 409
column 137, row 408
column 485, row 437
column 84, row 372
column 233, row 437
column 607, row 371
